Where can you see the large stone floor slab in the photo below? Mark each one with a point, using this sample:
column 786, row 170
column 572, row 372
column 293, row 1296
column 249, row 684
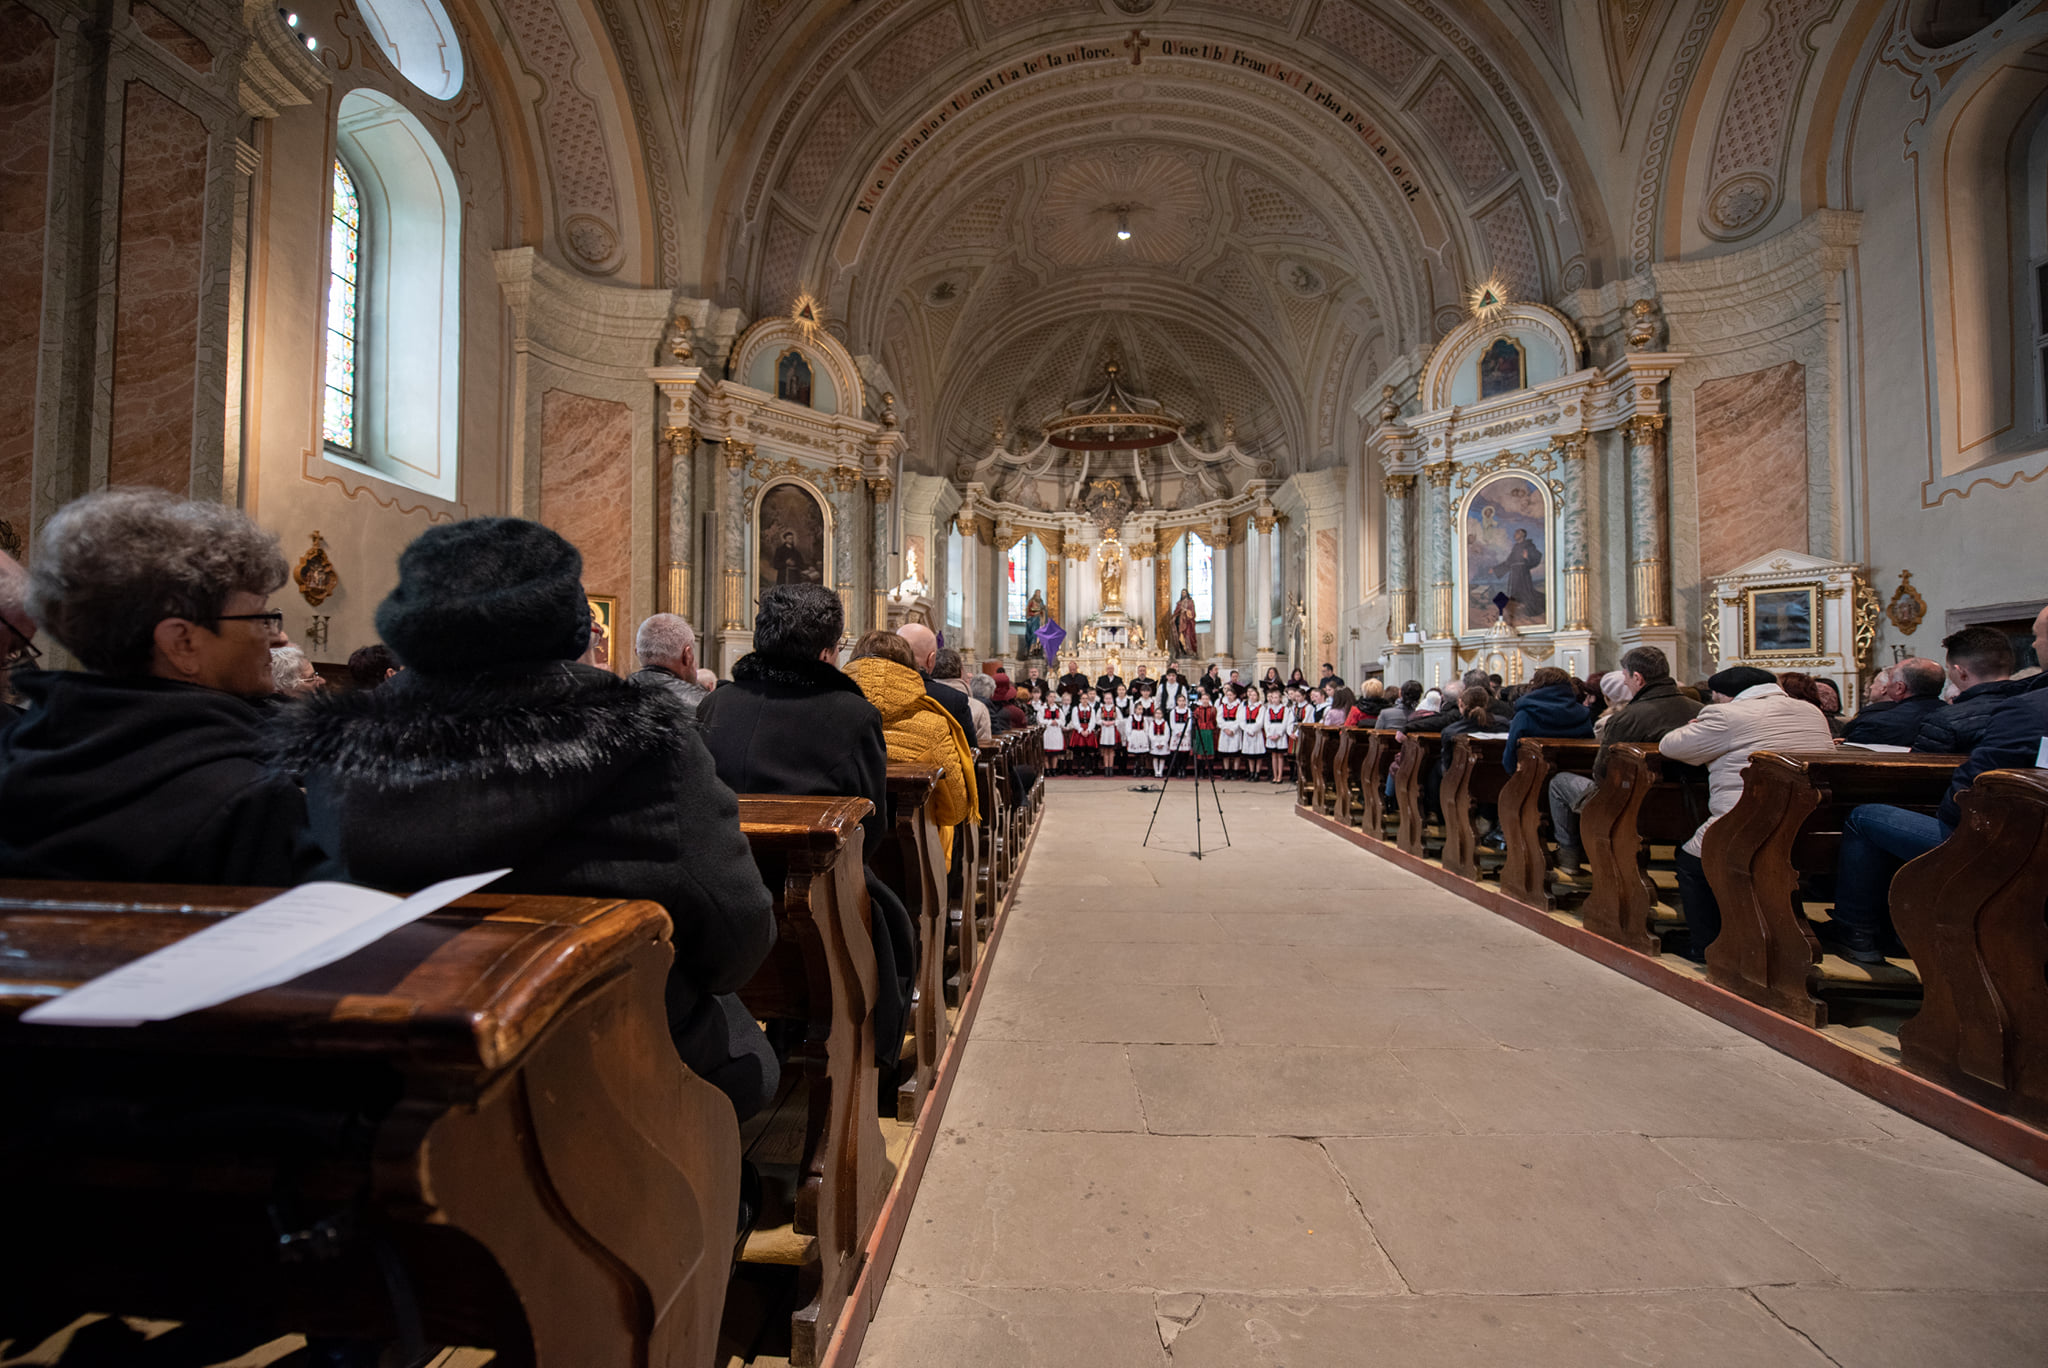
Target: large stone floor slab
column 1292, row 1107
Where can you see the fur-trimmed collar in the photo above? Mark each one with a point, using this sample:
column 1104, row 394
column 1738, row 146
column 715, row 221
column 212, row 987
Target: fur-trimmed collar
column 415, row 729
column 799, row 676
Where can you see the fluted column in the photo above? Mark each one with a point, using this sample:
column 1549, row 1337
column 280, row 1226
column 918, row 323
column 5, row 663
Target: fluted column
column 878, row 545
column 1436, row 517
column 844, row 481
column 1576, row 574
column 732, row 611
column 971, row 607
column 1400, row 491
column 682, row 451
column 1000, row 642
column 1649, row 547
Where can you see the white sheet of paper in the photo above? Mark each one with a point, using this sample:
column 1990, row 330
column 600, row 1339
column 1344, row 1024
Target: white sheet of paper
column 1488, row 736
column 1875, row 746
column 2041, row 755
column 273, row 942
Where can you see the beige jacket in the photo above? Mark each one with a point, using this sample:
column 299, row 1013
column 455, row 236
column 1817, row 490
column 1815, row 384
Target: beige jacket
column 1724, row 734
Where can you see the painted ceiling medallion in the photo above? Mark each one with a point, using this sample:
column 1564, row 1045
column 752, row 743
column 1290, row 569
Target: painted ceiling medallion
column 1075, row 218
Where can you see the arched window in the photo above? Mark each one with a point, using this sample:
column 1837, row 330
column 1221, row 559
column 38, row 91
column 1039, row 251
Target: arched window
column 419, row 38
column 344, row 281
column 956, row 599
column 394, row 347
column 1199, row 572
column 1020, row 577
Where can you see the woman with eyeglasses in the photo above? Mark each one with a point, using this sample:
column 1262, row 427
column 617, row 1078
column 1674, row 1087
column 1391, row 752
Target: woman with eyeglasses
column 148, row 765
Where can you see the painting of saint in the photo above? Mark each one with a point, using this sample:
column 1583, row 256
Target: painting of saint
column 1781, row 621
column 1507, row 536
column 1500, row 368
column 793, row 378
column 792, row 537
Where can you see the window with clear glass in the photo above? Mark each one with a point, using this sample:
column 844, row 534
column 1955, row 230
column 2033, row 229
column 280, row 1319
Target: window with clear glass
column 1200, row 575
column 344, row 301
column 1020, row 579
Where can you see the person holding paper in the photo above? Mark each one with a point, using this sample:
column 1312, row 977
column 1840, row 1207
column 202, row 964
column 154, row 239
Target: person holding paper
column 495, row 748
column 148, row 764
column 17, row 631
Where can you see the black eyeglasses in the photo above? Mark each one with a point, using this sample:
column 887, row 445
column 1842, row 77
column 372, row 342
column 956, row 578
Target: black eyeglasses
column 24, row 654
column 275, row 619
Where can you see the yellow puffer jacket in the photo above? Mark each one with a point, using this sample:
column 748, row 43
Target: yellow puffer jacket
column 918, row 731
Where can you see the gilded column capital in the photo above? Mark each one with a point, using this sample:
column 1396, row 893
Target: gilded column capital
column 1644, row 426
column 1265, row 522
column 1399, row 486
column 1572, row 448
column 844, row 478
column 881, row 488
column 1439, row 475
column 738, row 454
column 681, row 440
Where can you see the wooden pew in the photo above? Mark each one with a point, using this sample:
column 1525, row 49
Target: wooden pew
column 1418, row 752
column 1345, row 757
column 1307, row 740
column 1788, row 822
column 821, row 975
column 1324, row 763
column 995, row 807
column 912, row 863
column 963, row 904
column 483, row 1107
column 1971, row 911
column 1634, row 808
column 1525, row 812
column 1475, row 776
column 1381, row 748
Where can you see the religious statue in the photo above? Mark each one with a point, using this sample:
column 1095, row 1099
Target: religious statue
column 1112, row 572
column 1034, row 618
column 1183, row 640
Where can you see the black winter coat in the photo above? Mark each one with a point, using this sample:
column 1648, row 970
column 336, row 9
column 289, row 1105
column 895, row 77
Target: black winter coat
column 583, row 783
column 143, row 780
column 1892, row 724
column 1549, row 711
column 1957, row 729
column 804, row 728
column 1659, row 708
column 952, row 700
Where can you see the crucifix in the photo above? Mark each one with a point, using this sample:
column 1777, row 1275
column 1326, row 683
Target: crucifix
column 1137, row 43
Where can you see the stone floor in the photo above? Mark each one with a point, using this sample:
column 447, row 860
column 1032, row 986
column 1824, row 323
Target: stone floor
column 1292, row 1106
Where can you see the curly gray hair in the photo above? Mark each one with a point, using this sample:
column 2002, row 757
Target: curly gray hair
column 110, row 566
column 285, row 662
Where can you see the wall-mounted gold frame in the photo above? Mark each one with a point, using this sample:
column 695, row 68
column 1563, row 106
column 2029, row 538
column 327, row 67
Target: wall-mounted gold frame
column 1772, row 621
column 605, row 609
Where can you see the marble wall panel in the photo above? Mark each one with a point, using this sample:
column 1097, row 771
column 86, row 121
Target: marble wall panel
column 1750, row 445
column 586, row 491
column 156, row 318
column 1324, row 619
column 28, row 62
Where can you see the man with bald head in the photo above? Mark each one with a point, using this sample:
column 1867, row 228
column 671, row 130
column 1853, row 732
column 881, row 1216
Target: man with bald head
column 17, row 629
column 924, row 648
column 1901, row 699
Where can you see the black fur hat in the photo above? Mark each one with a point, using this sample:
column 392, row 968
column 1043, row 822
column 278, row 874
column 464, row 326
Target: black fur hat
column 483, row 592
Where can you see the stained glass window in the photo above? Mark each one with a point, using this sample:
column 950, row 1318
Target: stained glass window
column 1020, row 577
column 1201, row 576
column 344, row 291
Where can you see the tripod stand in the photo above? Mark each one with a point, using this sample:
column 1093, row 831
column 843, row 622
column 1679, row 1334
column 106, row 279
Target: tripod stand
column 1166, row 782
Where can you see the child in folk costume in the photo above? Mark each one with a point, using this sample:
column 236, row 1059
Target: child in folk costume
column 1081, row 732
column 1180, row 727
column 1051, row 716
column 1251, row 742
column 1123, row 704
column 1204, row 730
column 1228, row 735
column 1274, row 730
column 1141, row 730
column 1109, row 728
column 1162, row 741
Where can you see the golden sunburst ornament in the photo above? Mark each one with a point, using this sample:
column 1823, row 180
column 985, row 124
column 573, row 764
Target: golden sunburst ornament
column 809, row 314
column 1488, row 298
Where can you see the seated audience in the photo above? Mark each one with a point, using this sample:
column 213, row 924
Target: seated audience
column 1648, row 706
column 1547, row 709
column 1980, row 663
column 667, row 647
column 706, row 680
column 1749, row 712
column 1830, row 704
column 496, row 747
column 1454, row 707
column 915, row 728
column 17, row 632
column 1003, row 704
column 148, row 764
column 790, row 721
column 949, row 672
column 1396, row 714
column 1878, row 838
column 1372, row 701
column 1902, row 699
column 369, row 666
column 1803, row 687
column 292, row 673
column 924, row 647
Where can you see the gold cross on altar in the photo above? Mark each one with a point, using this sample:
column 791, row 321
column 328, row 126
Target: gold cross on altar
column 1137, row 43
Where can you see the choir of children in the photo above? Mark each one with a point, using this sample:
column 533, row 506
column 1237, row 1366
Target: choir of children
column 1099, row 731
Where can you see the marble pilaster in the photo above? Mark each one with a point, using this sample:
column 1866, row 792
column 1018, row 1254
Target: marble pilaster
column 881, row 491
column 681, row 444
column 1400, row 496
column 1649, row 546
column 733, row 634
column 1575, row 574
column 1436, row 527
column 845, row 513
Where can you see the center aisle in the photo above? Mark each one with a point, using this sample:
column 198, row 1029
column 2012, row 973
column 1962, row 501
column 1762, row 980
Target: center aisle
column 1292, row 1106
